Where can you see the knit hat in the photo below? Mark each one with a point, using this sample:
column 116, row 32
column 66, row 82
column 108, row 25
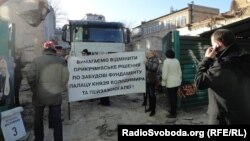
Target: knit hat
column 48, row 44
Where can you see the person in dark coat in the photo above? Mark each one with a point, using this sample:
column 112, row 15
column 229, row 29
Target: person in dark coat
column 152, row 64
column 48, row 77
column 225, row 70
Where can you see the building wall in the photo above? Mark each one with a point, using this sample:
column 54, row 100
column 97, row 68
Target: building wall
column 238, row 13
column 200, row 13
column 49, row 26
column 28, row 38
column 149, row 34
column 242, row 3
column 94, row 17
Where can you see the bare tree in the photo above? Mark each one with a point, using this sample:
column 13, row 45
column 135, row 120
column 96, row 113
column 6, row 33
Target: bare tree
column 59, row 13
column 128, row 24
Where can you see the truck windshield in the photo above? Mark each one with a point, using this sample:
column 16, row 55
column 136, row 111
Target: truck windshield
column 110, row 35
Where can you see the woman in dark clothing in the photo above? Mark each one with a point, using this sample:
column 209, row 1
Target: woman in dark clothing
column 152, row 64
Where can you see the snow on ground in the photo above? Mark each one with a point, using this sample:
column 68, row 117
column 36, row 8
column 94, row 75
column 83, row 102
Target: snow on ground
column 92, row 122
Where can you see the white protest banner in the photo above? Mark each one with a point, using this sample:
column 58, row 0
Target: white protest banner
column 12, row 124
column 104, row 75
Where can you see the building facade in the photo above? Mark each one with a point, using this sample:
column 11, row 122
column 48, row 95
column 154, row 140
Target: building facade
column 148, row 35
column 191, row 21
column 239, row 10
column 93, row 17
column 33, row 23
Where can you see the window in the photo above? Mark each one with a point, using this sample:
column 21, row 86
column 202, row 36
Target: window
column 178, row 22
column 105, row 35
column 114, row 35
column 183, row 20
column 167, row 25
column 150, row 30
column 78, row 32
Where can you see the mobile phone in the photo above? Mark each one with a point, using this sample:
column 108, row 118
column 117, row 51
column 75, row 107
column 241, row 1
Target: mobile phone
column 216, row 47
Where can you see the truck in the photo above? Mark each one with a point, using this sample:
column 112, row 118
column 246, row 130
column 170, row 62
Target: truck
column 96, row 36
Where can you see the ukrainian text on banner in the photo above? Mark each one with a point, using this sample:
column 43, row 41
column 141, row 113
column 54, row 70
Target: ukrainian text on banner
column 106, row 75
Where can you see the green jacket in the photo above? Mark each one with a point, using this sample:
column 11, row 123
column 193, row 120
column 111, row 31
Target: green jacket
column 48, row 77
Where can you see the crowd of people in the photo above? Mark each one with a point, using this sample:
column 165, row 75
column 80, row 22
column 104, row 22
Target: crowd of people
column 224, row 71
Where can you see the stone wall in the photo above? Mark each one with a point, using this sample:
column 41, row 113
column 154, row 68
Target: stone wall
column 33, row 24
column 242, row 3
column 26, row 15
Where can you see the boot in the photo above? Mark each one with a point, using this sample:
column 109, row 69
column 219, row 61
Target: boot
column 104, row 101
column 153, row 105
column 144, row 103
column 150, row 106
column 152, row 113
column 144, row 100
column 147, row 110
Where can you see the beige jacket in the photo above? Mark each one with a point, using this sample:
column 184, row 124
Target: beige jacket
column 171, row 73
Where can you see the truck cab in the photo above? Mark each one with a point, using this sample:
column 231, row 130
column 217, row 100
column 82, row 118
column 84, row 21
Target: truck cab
column 95, row 36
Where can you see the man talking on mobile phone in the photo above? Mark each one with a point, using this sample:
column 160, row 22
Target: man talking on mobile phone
column 225, row 71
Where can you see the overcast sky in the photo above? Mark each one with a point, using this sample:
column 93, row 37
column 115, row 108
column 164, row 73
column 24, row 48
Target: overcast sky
column 132, row 11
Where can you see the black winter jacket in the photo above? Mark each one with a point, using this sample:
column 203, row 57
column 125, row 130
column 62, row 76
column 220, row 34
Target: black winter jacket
column 151, row 70
column 229, row 76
